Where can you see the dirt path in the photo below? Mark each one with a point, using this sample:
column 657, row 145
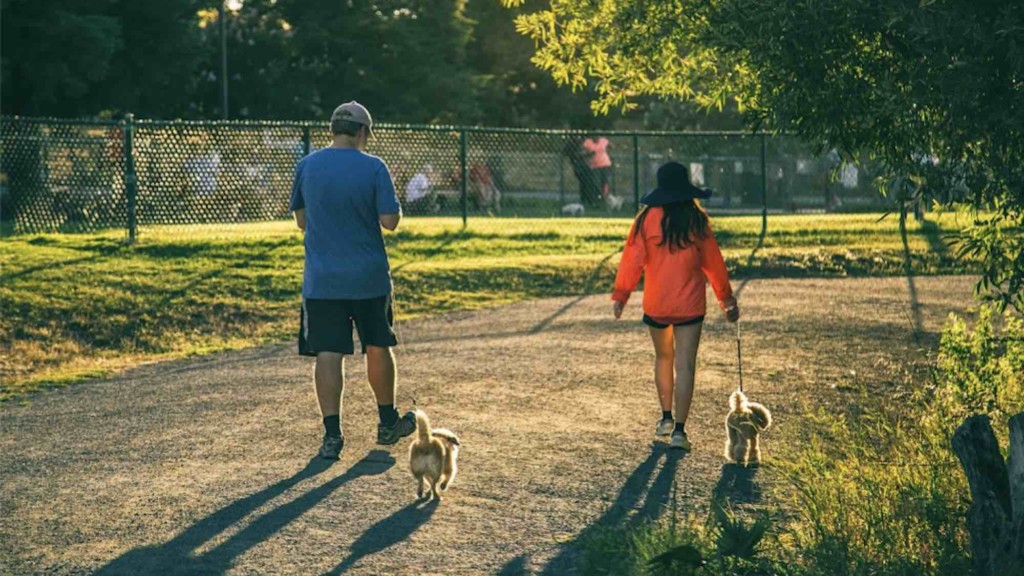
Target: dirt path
column 204, row 467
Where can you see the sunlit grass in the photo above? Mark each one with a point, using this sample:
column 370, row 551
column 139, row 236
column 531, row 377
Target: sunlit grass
column 80, row 305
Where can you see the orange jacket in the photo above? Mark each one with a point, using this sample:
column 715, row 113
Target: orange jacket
column 674, row 285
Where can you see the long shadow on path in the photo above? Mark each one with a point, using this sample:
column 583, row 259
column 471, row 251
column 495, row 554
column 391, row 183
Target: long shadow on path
column 587, row 291
column 638, row 487
column 544, row 323
column 750, row 260
column 177, row 556
column 388, row 532
column 908, row 269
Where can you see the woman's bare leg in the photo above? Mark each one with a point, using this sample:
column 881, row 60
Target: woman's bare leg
column 664, row 359
column 687, row 339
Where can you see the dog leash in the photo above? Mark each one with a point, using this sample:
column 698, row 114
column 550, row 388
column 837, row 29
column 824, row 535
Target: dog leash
column 739, row 355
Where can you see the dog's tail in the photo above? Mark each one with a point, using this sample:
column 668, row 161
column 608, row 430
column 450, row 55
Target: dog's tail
column 760, row 415
column 422, row 426
column 447, row 435
column 736, row 400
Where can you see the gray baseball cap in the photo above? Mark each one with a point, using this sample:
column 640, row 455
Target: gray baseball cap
column 353, row 112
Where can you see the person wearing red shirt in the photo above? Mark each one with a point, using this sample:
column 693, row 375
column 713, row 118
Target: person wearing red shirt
column 672, row 246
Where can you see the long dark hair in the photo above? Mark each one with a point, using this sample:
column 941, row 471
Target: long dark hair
column 682, row 224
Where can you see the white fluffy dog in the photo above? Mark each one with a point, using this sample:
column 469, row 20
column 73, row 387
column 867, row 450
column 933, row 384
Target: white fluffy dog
column 574, row 209
column 746, row 420
column 433, row 457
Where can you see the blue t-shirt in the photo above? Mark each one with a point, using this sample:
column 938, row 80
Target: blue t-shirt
column 344, row 192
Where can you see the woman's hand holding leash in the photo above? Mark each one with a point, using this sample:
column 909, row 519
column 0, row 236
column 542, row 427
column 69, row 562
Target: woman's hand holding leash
column 617, row 308
column 732, row 310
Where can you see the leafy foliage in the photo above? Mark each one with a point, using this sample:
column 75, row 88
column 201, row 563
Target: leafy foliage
column 416, row 61
column 933, row 90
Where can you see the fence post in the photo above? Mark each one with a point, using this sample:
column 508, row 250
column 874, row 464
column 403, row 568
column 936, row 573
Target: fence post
column 636, row 172
column 995, row 519
column 561, row 179
column 463, row 172
column 305, row 140
column 130, row 183
column 764, row 183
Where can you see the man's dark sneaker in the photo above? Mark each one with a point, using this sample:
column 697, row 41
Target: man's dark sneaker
column 389, row 435
column 331, row 448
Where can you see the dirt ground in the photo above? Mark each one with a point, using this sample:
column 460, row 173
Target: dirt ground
column 203, row 467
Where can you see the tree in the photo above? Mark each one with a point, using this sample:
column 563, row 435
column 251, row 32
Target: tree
column 54, row 54
column 154, row 72
column 932, row 89
column 511, row 91
column 72, row 59
column 404, row 59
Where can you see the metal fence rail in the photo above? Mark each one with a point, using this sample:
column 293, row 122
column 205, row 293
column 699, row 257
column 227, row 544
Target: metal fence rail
column 67, row 175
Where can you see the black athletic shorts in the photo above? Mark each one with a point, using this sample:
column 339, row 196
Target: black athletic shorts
column 655, row 324
column 326, row 325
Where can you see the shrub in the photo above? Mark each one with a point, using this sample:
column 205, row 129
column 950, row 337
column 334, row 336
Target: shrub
column 885, row 495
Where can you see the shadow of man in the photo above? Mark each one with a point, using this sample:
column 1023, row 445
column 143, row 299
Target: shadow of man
column 177, row 555
column 388, row 532
column 737, row 485
column 515, row 567
column 655, row 500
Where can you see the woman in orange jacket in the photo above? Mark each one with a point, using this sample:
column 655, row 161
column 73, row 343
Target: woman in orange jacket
column 671, row 244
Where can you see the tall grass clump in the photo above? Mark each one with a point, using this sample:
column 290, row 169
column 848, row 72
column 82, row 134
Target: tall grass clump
column 721, row 544
column 885, row 495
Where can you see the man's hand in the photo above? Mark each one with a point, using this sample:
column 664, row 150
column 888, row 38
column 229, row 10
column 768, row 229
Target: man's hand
column 732, row 310
column 617, row 308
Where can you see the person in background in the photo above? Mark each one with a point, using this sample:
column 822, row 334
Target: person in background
column 420, row 197
column 485, row 192
column 672, row 246
column 600, row 163
column 578, row 158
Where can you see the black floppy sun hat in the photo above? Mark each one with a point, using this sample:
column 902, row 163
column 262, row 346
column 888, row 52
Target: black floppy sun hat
column 673, row 186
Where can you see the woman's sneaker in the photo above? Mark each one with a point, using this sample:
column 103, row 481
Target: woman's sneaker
column 679, row 440
column 665, row 427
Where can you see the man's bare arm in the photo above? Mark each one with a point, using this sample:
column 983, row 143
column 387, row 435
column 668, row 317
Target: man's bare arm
column 300, row 219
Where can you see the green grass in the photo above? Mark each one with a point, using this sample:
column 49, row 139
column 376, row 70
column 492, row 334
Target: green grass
column 82, row 306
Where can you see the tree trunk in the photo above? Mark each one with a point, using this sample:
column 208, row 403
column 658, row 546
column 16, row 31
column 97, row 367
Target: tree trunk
column 996, row 516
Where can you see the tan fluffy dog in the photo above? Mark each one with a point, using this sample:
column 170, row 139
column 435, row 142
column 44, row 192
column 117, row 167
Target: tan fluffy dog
column 432, row 457
column 746, row 420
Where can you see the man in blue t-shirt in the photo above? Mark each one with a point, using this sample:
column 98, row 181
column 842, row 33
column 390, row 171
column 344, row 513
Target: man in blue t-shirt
column 341, row 198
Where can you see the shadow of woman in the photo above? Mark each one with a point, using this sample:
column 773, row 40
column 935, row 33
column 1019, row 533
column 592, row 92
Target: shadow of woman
column 388, row 532
column 655, row 500
column 177, row 555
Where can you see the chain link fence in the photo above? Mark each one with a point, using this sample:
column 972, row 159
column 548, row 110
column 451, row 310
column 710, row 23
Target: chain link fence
column 64, row 175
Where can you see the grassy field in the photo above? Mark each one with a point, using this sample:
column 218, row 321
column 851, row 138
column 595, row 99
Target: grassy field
column 82, row 306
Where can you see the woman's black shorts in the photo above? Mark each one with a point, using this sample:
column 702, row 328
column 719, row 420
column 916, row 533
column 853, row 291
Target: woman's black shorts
column 655, row 324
